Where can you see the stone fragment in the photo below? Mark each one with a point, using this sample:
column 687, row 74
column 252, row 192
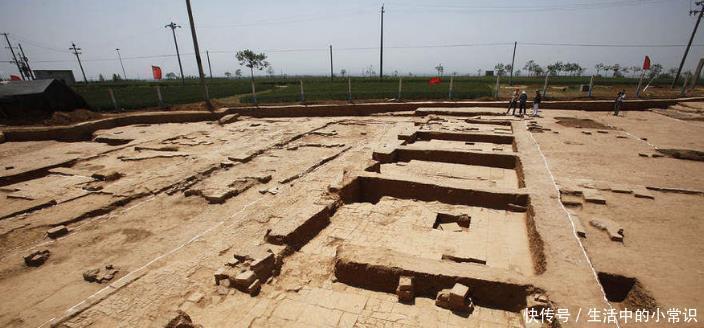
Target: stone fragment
column 225, row 282
column 602, row 131
column 515, row 208
column 622, row 189
column 593, row 196
column 91, row 275
column 220, row 274
column 614, row 230
column 227, row 119
column 37, row 258
column 222, row 290
column 587, row 132
column 642, row 155
column 443, row 299
column 195, row 297
column 450, row 227
column 181, row 320
column 642, row 192
column 254, row 288
column 107, row 176
column 656, row 155
column 463, row 220
column 245, row 279
column 57, row 231
column 458, row 296
column 405, row 291
column 232, row 262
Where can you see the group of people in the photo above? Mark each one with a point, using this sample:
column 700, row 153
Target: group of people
column 520, row 99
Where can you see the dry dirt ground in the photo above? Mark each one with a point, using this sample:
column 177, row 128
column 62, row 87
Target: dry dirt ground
column 314, row 222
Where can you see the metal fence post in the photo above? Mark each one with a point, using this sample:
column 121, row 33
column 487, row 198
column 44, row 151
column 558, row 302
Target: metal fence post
column 303, row 97
column 158, row 94
column 591, row 86
column 683, row 91
column 545, row 86
column 399, row 87
column 349, row 89
column 114, row 101
column 449, row 94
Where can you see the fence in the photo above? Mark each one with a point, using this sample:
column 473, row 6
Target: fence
column 140, row 94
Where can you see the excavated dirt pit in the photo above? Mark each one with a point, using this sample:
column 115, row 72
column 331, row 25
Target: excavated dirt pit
column 313, row 222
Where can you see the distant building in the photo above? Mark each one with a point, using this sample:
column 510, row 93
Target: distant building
column 488, row 73
column 37, row 99
column 63, row 75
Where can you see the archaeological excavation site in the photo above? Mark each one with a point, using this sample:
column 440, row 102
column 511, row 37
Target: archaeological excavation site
column 369, row 215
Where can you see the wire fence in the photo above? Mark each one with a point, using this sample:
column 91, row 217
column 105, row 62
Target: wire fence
column 109, row 96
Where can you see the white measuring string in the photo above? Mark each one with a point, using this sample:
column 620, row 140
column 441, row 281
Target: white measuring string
column 569, row 217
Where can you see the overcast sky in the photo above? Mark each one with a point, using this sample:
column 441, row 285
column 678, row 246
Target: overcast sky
column 295, row 34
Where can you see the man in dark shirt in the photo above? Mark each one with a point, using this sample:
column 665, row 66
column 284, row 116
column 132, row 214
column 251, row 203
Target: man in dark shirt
column 522, row 103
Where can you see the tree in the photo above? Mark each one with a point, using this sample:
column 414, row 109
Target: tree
column 343, row 72
column 238, row 73
column 599, row 67
column 508, row 67
column 252, row 60
column 440, row 69
column 101, row 78
column 228, row 75
column 616, row 68
column 171, row 75
column 500, row 69
column 270, row 71
column 635, row 70
column 538, row 70
column 554, row 69
column 116, row 77
column 655, row 71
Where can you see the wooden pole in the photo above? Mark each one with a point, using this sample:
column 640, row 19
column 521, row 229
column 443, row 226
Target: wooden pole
column 591, row 86
column 114, row 101
column 399, row 87
column 449, row 94
column 497, row 87
column 349, row 89
column 158, row 95
column 303, row 97
column 545, row 86
column 640, row 82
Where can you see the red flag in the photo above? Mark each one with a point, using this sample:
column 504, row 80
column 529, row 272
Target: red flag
column 156, row 71
column 435, row 80
column 15, row 78
column 646, row 63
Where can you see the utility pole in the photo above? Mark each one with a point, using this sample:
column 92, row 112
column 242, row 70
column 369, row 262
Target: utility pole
column 210, row 68
column 124, row 74
column 332, row 75
column 694, row 31
column 76, row 51
column 198, row 61
column 30, row 74
column 513, row 61
column 14, row 58
column 381, row 47
column 173, row 27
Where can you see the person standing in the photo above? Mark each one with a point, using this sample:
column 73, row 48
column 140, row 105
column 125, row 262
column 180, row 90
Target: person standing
column 513, row 102
column 536, row 103
column 522, row 100
column 618, row 104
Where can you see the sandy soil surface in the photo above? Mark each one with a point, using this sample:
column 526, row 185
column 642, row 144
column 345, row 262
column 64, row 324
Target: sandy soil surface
column 353, row 222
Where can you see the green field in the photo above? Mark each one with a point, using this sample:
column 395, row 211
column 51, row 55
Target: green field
column 142, row 94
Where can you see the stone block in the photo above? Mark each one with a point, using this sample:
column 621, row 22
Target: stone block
column 36, row 258
column 245, row 279
column 593, row 196
column 614, row 230
column 458, row 296
column 405, row 296
column 622, row 189
column 643, row 193
column 264, row 265
column 227, row 119
column 57, row 231
column 443, row 299
column 220, row 274
column 405, row 283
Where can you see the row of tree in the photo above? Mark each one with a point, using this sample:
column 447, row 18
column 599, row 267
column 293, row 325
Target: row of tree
column 574, row 69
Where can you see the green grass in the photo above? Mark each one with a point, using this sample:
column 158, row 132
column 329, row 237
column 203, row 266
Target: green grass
column 318, row 89
column 141, row 94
